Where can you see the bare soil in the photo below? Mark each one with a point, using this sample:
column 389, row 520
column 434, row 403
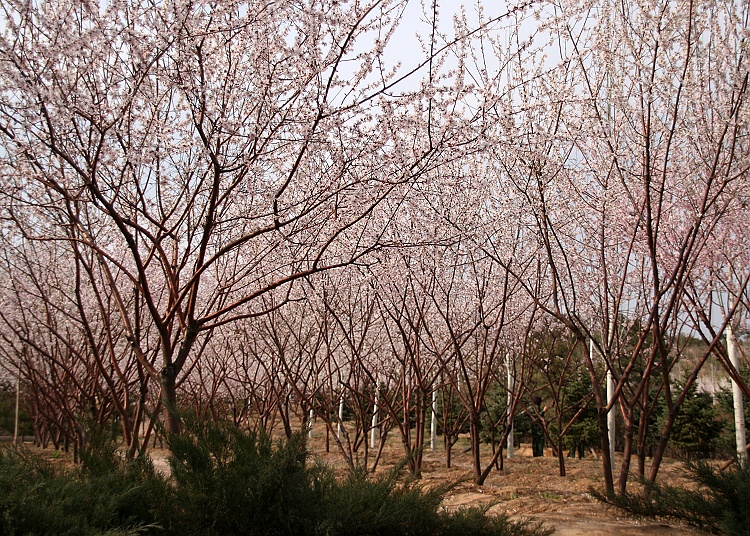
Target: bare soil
column 531, row 488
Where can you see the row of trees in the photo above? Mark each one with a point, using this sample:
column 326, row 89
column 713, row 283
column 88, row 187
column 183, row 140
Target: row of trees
column 250, row 210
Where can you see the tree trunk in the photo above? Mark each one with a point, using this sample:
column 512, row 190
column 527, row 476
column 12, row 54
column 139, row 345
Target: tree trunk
column 449, row 442
column 169, row 401
column 642, row 431
column 627, row 452
column 609, row 485
column 475, row 443
column 662, row 445
column 561, row 455
column 421, row 414
column 499, row 452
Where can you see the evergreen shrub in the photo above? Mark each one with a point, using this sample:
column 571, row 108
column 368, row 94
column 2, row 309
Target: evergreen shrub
column 38, row 498
column 229, row 482
column 718, row 504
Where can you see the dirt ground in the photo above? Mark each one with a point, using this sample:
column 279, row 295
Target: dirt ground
column 531, row 487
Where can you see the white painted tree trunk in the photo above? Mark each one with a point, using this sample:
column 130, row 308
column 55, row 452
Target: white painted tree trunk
column 310, row 423
column 433, row 422
column 341, row 417
column 611, row 423
column 511, row 387
column 739, row 410
column 374, row 423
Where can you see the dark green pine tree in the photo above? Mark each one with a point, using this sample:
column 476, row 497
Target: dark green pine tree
column 698, row 427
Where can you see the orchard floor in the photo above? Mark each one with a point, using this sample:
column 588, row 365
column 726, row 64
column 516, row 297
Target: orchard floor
column 531, row 487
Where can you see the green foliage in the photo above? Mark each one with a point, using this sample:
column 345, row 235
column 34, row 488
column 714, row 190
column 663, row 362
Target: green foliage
column 36, row 498
column 522, row 424
column 453, row 418
column 231, row 482
column 8, row 412
column 725, row 403
column 654, row 415
column 697, row 429
column 361, row 505
column 476, row 522
column 584, row 432
column 494, row 416
column 224, row 481
column 386, row 505
column 99, row 454
column 719, row 504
